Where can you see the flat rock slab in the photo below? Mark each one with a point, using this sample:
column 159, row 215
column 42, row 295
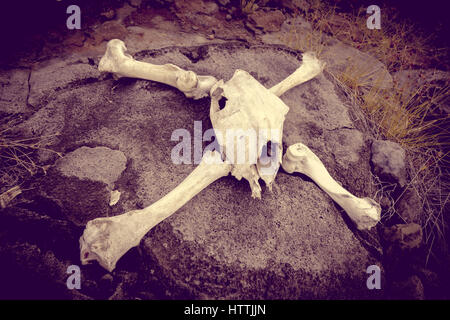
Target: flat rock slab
column 96, row 164
column 295, row 243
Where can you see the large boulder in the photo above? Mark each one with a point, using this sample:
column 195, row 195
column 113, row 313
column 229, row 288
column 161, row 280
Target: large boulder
column 295, row 243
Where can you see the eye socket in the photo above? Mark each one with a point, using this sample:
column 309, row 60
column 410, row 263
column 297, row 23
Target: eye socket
column 222, row 102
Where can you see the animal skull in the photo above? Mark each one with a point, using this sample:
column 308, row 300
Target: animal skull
column 252, row 117
column 248, row 122
column 249, row 128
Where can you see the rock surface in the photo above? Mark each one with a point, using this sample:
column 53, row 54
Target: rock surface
column 109, row 30
column 409, row 82
column 14, row 91
column 295, row 243
column 368, row 70
column 270, row 21
column 52, row 76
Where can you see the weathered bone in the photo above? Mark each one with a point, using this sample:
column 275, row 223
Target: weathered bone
column 121, row 64
column 310, row 68
column 364, row 212
column 252, row 117
column 250, row 107
column 108, row 239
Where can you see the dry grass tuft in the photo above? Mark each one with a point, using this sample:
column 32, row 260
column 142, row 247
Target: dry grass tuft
column 249, row 6
column 412, row 118
column 17, row 155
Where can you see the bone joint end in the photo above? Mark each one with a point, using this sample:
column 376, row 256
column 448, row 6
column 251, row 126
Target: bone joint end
column 364, row 212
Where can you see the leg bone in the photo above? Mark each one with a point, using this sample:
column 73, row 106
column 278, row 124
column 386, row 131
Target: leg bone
column 309, row 69
column 108, row 239
column 117, row 61
column 364, row 212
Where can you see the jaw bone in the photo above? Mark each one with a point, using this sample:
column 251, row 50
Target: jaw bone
column 364, row 212
column 121, row 64
column 108, row 239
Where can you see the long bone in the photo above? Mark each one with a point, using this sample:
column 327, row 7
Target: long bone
column 310, row 68
column 364, row 212
column 121, row 64
column 108, row 239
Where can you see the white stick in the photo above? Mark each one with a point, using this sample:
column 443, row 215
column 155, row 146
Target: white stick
column 117, row 61
column 364, row 212
column 310, row 68
column 108, row 239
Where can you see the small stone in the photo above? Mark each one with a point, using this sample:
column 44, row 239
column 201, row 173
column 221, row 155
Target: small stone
column 210, row 37
column 115, row 197
column 405, row 236
column 409, row 207
column 228, row 17
column 195, row 28
column 388, row 159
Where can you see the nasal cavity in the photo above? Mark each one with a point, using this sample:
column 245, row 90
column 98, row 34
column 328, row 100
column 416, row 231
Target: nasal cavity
column 268, row 155
column 222, row 102
column 267, row 149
